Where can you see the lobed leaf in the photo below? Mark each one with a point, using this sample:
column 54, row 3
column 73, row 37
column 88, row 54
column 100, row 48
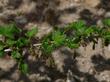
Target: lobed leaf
column 9, row 30
column 22, row 42
column 58, row 38
column 24, row 68
column 77, row 25
column 71, row 43
column 16, row 55
column 106, row 21
column 31, row 32
column 47, row 46
column 10, row 42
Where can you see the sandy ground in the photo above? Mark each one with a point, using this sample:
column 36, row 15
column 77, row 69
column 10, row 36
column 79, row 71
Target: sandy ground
column 86, row 64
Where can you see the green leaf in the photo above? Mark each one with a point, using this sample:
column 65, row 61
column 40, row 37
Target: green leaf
column 58, row 38
column 16, row 55
column 1, row 45
column 107, row 35
column 106, row 21
column 77, row 25
column 10, row 42
column 22, row 42
column 32, row 32
column 2, row 53
column 9, row 30
column 71, row 43
column 47, row 46
column 89, row 31
column 24, row 68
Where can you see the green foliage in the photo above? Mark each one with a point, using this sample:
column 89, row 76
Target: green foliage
column 15, row 40
column 58, row 38
column 23, row 67
column 73, row 35
column 32, row 32
column 9, row 30
column 77, row 25
column 1, row 45
column 10, row 42
column 2, row 53
column 88, row 31
column 47, row 46
column 106, row 36
column 22, row 41
column 106, row 22
column 70, row 42
column 79, row 33
column 16, row 55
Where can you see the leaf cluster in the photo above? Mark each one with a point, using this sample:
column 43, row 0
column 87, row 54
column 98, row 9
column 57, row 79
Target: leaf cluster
column 13, row 43
column 72, row 35
column 75, row 34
